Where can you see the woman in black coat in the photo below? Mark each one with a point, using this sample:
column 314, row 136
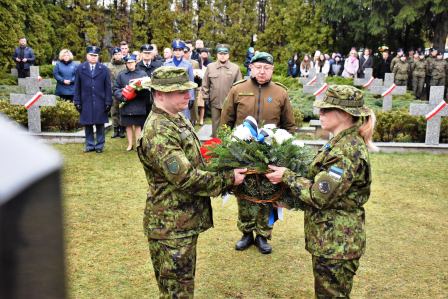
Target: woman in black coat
column 133, row 111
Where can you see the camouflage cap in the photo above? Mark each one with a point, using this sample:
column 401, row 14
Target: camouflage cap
column 263, row 57
column 170, row 78
column 344, row 97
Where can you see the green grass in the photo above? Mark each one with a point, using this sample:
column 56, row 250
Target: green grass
column 107, row 255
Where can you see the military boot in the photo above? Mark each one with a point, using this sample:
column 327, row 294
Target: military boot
column 121, row 132
column 246, row 241
column 263, row 245
column 116, row 132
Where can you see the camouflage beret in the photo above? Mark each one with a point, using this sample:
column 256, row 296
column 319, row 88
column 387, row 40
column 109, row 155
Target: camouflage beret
column 344, row 97
column 170, row 78
column 262, row 57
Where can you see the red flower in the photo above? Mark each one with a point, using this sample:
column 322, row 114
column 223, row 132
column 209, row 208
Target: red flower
column 207, row 146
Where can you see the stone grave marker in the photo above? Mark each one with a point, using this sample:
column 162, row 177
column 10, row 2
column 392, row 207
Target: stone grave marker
column 311, row 75
column 388, row 90
column 368, row 81
column 32, row 90
column 433, row 112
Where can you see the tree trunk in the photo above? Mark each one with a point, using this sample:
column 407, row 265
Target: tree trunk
column 440, row 31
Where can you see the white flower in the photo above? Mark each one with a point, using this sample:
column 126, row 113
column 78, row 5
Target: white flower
column 281, row 135
column 298, row 143
column 268, row 135
column 242, row 133
column 270, row 126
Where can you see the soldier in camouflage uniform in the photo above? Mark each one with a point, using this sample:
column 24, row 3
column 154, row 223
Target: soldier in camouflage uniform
column 335, row 190
column 396, row 59
column 401, row 72
column 418, row 74
column 178, row 205
column 115, row 66
column 439, row 70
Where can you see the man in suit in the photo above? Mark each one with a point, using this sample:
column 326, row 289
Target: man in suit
column 93, row 98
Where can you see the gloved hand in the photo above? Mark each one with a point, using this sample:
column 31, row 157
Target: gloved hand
column 79, row 108
column 190, row 104
column 108, row 108
column 128, row 93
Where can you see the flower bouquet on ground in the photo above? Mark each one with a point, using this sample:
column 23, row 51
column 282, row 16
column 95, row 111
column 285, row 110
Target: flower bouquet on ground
column 249, row 147
column 129, row 92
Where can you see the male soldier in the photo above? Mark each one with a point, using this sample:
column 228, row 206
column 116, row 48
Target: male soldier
column 124, row 48
column 24, row 58
column 218, row 79
column 178, row 204
column 268, row 103
column 429, row 66
column 93, row 98
column 439, row 70
column 178, row 61
column 148, row 64
column 115, row 66
column 418, row 74
column 396, row 59
column 401, row 72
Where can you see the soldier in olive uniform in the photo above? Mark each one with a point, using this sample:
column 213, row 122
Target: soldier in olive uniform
column 439, row 70
column 396, row 59
column 401, row 72
column 178, row 205
column 268, row 103
column 335, row 190
column 418, row 74
column 115, row 66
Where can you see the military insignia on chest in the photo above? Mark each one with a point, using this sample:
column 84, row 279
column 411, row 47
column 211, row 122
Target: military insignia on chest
column 269, row 100
column 324, row 187
column 335, row 172
column 172, row 165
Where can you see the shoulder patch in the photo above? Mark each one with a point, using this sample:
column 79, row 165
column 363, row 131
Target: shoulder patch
column 239, row 82
column 173, row 165
column 281, row 85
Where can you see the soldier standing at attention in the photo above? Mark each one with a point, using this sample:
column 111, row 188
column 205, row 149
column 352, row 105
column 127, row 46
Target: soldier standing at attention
column 218, row 79
column 401, row 71
column 396, row 59
column 439, row 70
column 335, row 190
column 115, row 66
column 418, row 75
column 267, row 102
column 178, row 205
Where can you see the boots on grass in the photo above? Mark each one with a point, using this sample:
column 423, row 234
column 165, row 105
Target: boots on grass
column 263, row 245
column 246, row 241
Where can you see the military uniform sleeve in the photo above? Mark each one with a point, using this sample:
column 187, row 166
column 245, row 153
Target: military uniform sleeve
column 228, row 114
column 175, row 167
column 287, row 121
column 118, row 86
column 327, row 187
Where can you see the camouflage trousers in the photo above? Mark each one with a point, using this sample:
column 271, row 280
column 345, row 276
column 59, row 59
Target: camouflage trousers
column 174, row 263
column 401, row 82
column 333, row 278
column 437, row 82
column 115, row 113
column 254, row 217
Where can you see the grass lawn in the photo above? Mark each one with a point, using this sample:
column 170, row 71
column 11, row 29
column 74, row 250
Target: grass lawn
column 107, row 255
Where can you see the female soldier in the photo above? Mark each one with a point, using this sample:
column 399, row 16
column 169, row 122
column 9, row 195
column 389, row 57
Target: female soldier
column 134, row 110
column 335, row 190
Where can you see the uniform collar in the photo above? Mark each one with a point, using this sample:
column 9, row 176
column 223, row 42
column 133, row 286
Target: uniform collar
column 158, row 110
column 226, row 65
column 341, row 135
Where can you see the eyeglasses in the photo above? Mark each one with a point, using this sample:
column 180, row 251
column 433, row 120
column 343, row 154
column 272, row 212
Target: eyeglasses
column 267, row 68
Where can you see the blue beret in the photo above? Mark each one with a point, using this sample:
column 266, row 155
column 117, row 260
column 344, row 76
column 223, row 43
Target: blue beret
column 93, row 50
column 130, row 58
column 177, row 44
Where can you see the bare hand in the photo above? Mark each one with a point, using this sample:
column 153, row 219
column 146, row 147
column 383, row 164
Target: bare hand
column 67, row 82
column 239, row 175
column 18, row 59
column 276, row 176
column 24, row 60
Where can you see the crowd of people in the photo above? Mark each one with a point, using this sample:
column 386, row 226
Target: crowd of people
column 413, row 69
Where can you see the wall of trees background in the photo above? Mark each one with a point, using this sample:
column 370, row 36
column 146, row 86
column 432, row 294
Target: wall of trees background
column 282, row 27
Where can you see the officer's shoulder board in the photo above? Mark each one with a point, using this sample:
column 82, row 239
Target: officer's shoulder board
column 239, row 82
column 281, row 85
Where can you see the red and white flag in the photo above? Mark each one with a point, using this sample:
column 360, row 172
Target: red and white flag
column 367, row 84
column 389, row 90
column 33, row 100
column 312, row 80
column 321, row 90
column 436, row 110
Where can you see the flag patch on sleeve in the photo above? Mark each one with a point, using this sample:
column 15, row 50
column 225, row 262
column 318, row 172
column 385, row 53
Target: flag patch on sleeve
column 335, row 172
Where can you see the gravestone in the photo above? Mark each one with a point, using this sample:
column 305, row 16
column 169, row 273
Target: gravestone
column 32, row 87
column 368, row 81
column 31, row 226
column 388, row 90
column 311, row 74
column 433, row 124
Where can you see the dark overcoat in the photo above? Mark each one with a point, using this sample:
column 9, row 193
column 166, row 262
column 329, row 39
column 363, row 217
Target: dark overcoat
column 93, row 91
